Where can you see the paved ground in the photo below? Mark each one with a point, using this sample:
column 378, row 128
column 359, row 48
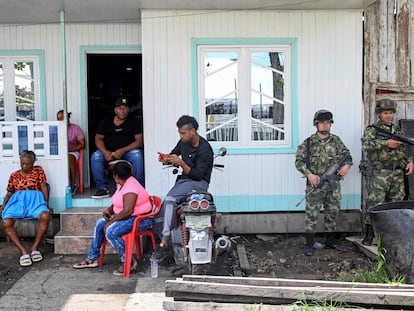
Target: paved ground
column 53, row 284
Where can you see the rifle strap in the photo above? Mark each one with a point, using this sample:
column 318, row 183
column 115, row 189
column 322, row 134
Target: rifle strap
column 308, row 155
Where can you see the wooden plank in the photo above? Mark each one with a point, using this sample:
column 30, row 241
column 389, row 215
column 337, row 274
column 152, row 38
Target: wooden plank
column 382, row 39
column 273, row 294
column 291, row 282
column 214, row 306
column 370, row 251
column 403, row 43
column 243, row 260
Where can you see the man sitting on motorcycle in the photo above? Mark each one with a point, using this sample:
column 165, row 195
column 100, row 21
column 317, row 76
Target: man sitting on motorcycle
column 194, row 155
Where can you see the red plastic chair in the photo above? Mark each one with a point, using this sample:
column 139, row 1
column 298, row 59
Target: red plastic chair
column 79, row 167
column 136, row 235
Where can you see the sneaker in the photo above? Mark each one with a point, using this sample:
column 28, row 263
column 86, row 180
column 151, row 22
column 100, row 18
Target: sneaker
column 74, row 189
column 160, row 253
column 100, row 194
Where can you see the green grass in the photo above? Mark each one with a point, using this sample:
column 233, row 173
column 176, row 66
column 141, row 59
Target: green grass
column 377, row 272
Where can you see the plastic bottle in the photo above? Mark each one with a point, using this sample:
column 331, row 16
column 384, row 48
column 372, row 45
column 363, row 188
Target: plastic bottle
column 154, row 269
column 68, row 197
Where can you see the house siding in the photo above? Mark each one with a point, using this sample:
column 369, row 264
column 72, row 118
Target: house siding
column 329, row 75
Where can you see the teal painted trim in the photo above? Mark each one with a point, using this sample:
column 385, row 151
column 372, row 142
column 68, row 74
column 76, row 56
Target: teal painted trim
column 104, row 49
column 292, row 42
column 40, row 54
column 274, row 203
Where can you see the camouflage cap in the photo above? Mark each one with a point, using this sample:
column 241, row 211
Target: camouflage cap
column 322, row 115
column 385, row 104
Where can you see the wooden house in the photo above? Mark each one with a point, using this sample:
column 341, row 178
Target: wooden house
column 252, row 72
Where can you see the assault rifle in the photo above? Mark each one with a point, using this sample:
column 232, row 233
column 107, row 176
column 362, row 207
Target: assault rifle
column 329, row 176
column 384, row 134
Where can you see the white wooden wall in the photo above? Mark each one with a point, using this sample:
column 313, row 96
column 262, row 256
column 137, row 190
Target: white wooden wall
column 329, row 76
column 100, row 38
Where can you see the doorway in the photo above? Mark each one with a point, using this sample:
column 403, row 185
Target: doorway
column 110, row 76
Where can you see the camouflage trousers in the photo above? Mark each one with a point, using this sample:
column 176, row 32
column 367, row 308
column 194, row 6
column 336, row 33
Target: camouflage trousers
column 383, row 186
column 327, row 198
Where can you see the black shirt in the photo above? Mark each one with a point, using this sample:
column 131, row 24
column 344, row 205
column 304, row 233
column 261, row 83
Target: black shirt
column 116, row 137
column 199, row 159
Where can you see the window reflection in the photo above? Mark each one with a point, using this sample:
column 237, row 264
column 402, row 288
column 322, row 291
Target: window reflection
column 24, row 88
column 244, row 94
column 267, row 96
column 1, row 92
column 220, row 89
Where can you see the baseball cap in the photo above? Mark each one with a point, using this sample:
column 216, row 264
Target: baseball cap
column 121, row 101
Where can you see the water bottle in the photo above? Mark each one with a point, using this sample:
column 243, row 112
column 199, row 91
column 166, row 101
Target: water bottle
column 154, row 269
column 68, row 197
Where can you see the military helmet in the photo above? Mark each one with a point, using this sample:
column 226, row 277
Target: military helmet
column 322, row 115
column 385, row 104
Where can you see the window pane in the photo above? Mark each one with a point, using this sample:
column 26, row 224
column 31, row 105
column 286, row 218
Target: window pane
column 24, row 87
column 1, row 92
column 220, row 89
column 267, row 96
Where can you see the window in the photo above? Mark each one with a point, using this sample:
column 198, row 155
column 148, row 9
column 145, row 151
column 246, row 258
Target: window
column 19, row 88
column 244, row 95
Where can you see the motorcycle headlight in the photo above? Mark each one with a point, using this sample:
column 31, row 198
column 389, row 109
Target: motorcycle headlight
column 204, row 204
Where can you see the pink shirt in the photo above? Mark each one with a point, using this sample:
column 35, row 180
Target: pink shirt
column 142, row 205
column 75, row 135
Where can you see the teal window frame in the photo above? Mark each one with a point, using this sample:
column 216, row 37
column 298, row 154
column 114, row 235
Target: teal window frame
column 271, row 42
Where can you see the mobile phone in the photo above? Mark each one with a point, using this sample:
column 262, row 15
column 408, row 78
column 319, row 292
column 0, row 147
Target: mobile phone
column 163, row 155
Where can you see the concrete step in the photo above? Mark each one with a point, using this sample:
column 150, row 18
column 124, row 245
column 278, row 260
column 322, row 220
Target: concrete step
column 76, row 231
column 80, row 220
column 68, row 243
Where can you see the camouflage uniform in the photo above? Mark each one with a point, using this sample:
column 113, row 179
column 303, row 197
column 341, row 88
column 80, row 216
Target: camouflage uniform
column 323, row 154
column 384, row 168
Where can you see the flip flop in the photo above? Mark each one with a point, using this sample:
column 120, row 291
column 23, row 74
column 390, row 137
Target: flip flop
column 86, row 263
column 36, row 256
column 25, row 260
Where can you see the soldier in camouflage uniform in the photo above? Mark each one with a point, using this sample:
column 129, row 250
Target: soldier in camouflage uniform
column 313, row 158
column 385, row 165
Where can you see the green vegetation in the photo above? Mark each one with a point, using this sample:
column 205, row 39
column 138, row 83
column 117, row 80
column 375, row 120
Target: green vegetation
column 379, row 272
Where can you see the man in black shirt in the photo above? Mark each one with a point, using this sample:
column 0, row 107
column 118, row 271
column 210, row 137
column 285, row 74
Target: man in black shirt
column 117, row 137
column 194, row 155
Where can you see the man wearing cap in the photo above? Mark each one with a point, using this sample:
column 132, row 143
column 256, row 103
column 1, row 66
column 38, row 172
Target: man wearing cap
column 76, row 142
column 387, row 163
column 313, row 158
column 117, row 137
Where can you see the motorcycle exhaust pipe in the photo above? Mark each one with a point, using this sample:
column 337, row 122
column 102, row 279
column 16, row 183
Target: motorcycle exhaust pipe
column 223, row 243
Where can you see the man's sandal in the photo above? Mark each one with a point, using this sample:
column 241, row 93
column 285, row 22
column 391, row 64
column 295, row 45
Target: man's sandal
column 25, row 260
column 86, row 263
column 36, row 256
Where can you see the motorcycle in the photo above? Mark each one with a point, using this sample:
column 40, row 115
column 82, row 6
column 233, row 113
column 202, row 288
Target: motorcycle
column 192, row 235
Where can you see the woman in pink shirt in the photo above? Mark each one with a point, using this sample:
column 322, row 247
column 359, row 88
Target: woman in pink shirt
column 129, row 200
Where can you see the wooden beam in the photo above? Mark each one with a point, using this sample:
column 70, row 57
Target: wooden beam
column 243, row 260
column 293, row 282
column 214, row 306
column 202, row 291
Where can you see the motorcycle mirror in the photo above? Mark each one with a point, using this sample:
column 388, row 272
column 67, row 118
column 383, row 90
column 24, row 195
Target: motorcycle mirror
column 222, row 152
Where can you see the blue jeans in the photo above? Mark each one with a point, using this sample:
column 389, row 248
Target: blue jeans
column 98, row 165
column 165, row 218
column 114, row 235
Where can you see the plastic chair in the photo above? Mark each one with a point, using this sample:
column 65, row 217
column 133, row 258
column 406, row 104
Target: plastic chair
column 136, row 235
column 79, row 167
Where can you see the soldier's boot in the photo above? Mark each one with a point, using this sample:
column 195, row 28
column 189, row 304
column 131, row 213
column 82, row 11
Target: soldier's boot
column 309, row 244
column 369, row 235
column 330, row 242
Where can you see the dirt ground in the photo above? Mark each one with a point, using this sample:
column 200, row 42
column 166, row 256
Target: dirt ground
column 278, row 255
